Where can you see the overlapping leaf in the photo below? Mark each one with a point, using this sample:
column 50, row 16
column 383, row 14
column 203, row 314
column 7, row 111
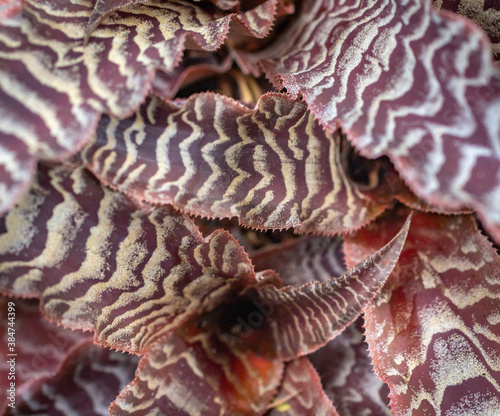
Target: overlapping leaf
column 221, row 354
column 87, row 382
column 343, row 363
column 433, row 332
column 403, row 81
column 295, row 322
column 346, row 372
column 272, row 167
column 180, row 377
column 255, row 21
column 99, row 263
column 53, row 87
column 303, row 260
column 301, row 393
column 39, row 347
column 485, row 13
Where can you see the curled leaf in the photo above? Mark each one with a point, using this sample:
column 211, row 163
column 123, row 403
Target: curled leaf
column 404, row 81
column 295, row 322
column 343, row 363
column 433, row 331
column 272, row 166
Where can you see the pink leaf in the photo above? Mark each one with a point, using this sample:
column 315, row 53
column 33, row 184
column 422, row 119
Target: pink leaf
column 433, row 332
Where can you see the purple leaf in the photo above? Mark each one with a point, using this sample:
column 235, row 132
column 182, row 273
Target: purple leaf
column 89, row 379
column 272, row 166
column 404, row 81
column 346, row 373
column 99, row 263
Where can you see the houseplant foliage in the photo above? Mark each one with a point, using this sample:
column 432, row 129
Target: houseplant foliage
column 375, row 138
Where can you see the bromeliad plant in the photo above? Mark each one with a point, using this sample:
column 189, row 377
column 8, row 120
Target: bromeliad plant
column 380, row 124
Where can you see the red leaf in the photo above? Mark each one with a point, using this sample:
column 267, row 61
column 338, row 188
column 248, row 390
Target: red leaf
column 272, row 166
column 295, row 322
column 178, row 377
column 433, row 332
column 301, row 392
column 404, row 81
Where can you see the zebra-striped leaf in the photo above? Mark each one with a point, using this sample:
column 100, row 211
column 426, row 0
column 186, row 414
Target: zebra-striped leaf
column 343, row 363
column 272, row 166
column 53, row 87
column 99, row 263
column 301, row 393
column 221, row 364
column 180, row 377
column 295, row 322
column 485, row 13
column 404, row 81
